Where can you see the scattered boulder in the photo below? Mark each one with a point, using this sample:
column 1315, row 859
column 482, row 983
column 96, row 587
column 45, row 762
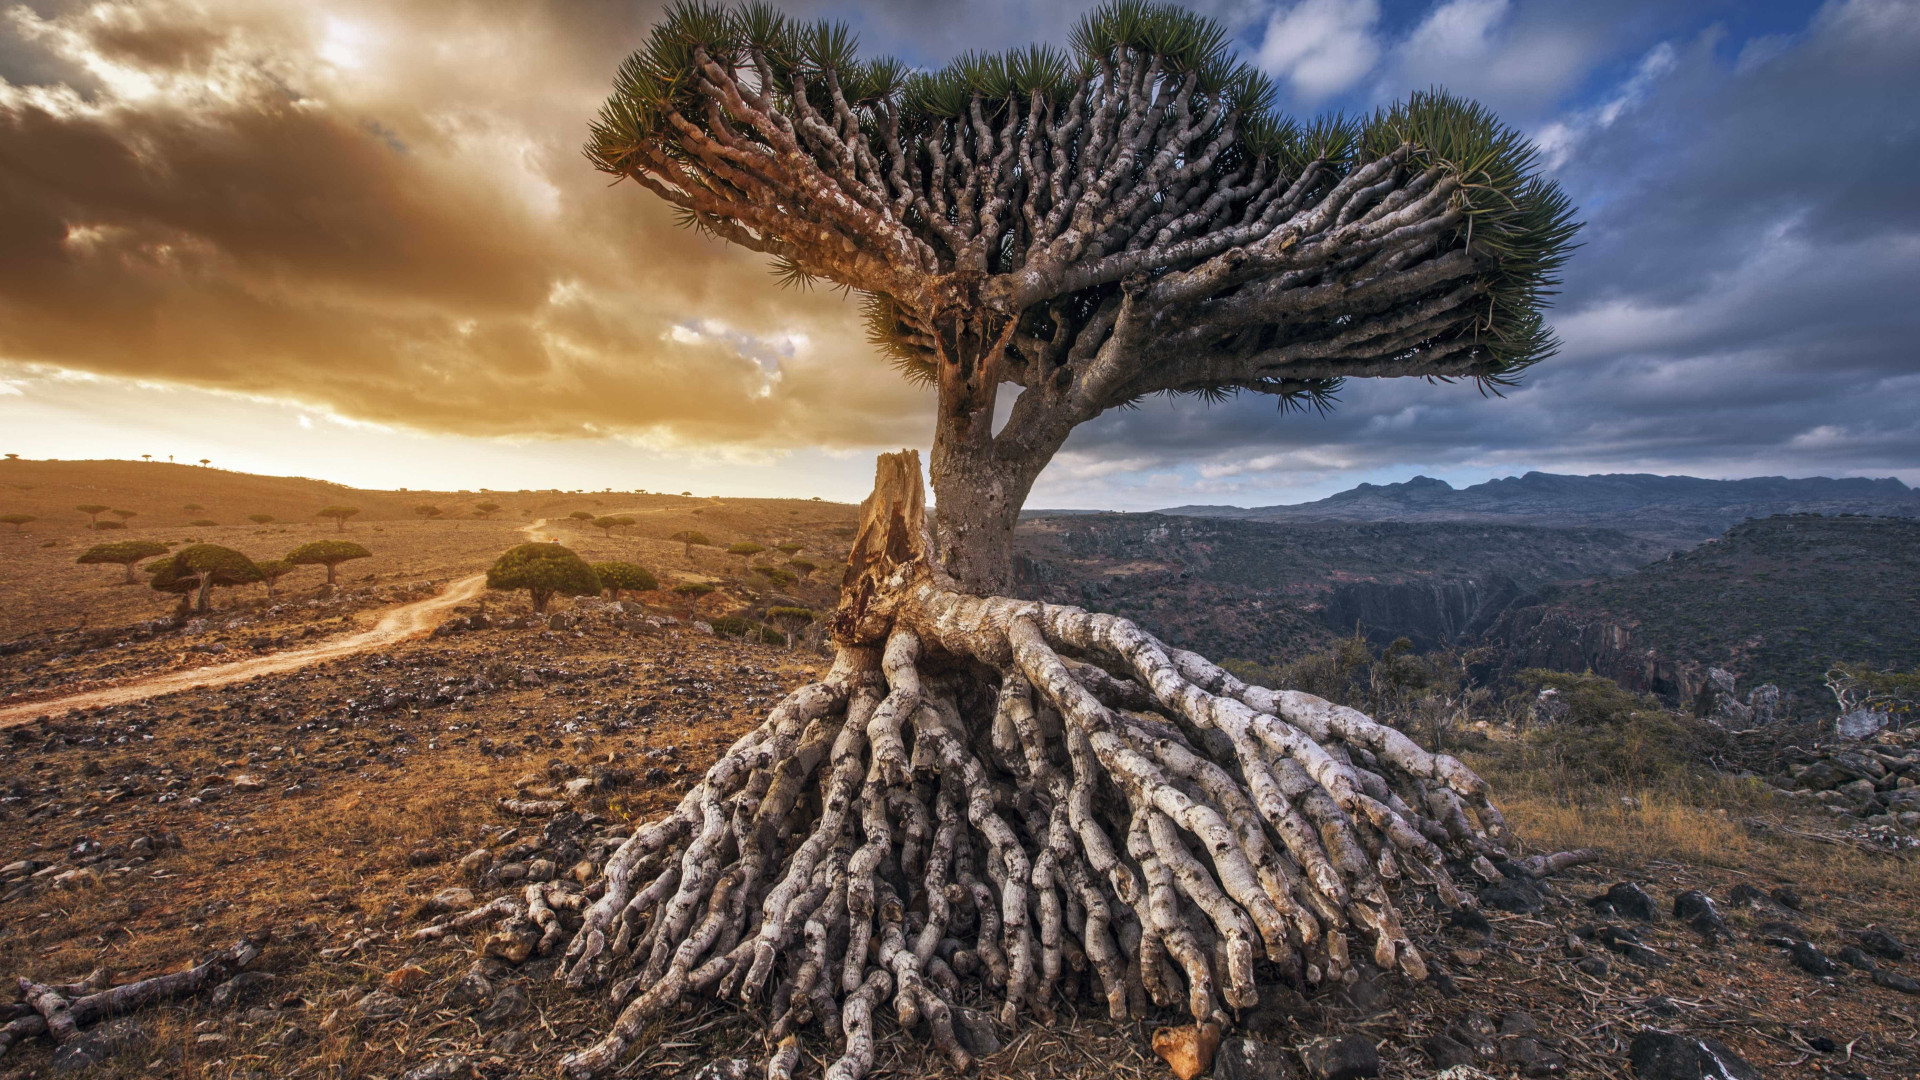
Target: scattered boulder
column 1251, row 1059
column 1626, row 900
column 246, row 985
column 452, row 898
column 407, row 979
column 1188, row 1050
column 1811, row 960
column 1445, row 1051
column 1340, row 1057
column 98, row 1045
column 1661, row 1055
column 1697, row 910
column 975, row 1031
column 1851, row 956
column 470, row 989
column 1882, row 944
column 513, row 942
column 1893, row 980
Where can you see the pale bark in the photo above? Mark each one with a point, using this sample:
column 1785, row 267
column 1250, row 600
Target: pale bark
column 1021, row 795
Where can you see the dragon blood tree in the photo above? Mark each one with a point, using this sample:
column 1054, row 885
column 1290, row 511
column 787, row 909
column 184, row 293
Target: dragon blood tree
column 989, row 799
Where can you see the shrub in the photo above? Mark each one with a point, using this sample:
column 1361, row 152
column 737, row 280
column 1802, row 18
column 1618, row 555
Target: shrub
column 123, row 553
column 544, row 570
column 746, row 549
column 616, row 576
column 775, row 576
column 107, row 526
column 789, row 547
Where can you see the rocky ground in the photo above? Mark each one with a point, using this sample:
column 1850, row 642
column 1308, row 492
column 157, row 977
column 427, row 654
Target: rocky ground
column 333, row 814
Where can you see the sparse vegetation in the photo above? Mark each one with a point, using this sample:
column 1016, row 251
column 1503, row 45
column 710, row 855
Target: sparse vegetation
column 746, row 549
column 272, row 570
column 485, row 510
column 198, row 569
column 125, row 515
column 606, row 525
column 804, row 567
column 691, row 539
column 327, row 553
column 123, row 553
column 18, row 520
column 338, row 515
column 790, row 620
column 202, row 523
column 260, row 519
column 775, row 576
column 427, row 511
column 93, row 512
column 544, row 570
column 617, row 577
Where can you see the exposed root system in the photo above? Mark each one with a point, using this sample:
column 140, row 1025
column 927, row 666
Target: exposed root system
column 1027, row 796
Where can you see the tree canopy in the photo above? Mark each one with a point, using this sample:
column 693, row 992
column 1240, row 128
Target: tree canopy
column 198, row 568
column 17, row 520
column 260, row 519
column 544, row 570
column 618, row 576
column 1123, row 218
column 339, row 514
column 93, row 512
column 691, row 539
column 327, row 553
column 272, row 570
column 427, row 511
column 122, row 553
column 486, row 509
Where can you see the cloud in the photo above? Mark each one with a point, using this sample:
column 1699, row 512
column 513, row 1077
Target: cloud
column 365, row 209
column 1321, row 47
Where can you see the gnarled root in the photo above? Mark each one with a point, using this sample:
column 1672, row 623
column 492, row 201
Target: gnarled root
column 1036, row 798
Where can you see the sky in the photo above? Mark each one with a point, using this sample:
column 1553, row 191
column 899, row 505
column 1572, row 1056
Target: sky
column 357, row 240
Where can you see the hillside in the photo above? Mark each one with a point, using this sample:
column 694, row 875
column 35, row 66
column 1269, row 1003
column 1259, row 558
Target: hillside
column 1673, row 509
column 1775, row 600
column 1261, row 590
column 43, row 590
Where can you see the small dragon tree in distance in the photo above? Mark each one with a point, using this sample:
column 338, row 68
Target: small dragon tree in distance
column 122, row 553
column 197, row 568
column 327, row 553
column 616, row 577
column 544, row 570
column 339, row 515
column 1095, row 226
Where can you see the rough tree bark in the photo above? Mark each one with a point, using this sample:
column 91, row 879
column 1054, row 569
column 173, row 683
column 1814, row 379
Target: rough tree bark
column 989, row 797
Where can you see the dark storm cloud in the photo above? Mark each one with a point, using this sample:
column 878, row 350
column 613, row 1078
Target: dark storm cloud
column 384, row 212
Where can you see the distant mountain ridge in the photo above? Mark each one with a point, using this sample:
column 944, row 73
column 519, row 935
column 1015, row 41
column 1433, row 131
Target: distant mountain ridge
column 1678, row 508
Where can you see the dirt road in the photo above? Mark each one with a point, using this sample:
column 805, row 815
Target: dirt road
column 403, row 623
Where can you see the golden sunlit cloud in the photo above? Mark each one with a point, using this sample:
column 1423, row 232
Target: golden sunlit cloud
column 381, row 212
